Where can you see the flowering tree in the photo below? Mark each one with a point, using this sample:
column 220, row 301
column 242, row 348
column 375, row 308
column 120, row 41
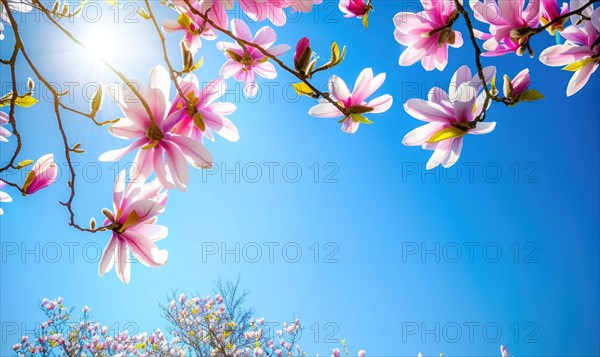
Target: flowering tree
column 171, row 119
column 218, row 325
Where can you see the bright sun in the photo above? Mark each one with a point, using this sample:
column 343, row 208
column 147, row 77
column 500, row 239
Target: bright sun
column 102, row 45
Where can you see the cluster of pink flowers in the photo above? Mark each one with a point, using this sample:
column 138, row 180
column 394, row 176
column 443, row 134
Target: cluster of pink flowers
column 503, row 352
column 427, row 34
column 451, row 115
column 60, row 334
column 198, row 325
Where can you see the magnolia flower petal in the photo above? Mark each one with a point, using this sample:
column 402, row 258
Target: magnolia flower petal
column 427, row 111
column 279, row 50
column 176, row 162
column 160, row 170
column 241, row 30
column 483, row 128
column 221, row 126
column 144, row 249
column 561, row 55
column 265, row 37
column 580, row 78
column 381, row 104
column 141, row 167
column 325, row 110
column 441, row 151
column 223, row 108
column 116, row 155
column 338, row 88
column 453, row 153
column 349, row 126
column 196, row 153
column 266, row 70
column 420, row 135
column 107, row 261
column 123, row 267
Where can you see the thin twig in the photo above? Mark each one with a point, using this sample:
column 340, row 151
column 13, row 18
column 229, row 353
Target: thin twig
column 244, row 43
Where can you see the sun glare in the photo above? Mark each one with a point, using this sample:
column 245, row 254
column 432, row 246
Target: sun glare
column 102, row 44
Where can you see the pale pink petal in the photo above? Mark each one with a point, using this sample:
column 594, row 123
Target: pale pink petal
column 580, row 78
column 142, row 164
column 278, row 50
column 265, row 37
column 172, row 26
column 116, row 155
column 196, row 153
column 381, row 104
column 177, row 165
column 420, row 135
column 230, row 68
column 123, row 266
column 241, row 30
column 561, row 55
column 107, row 261
column 441, row 151
column 427, row 111
column 161, row 170
column 338, row 88
column 325, row 110
column 266, row 70
column 483, row 128
column 349, row 126
column 144, row 249
column 410, row 56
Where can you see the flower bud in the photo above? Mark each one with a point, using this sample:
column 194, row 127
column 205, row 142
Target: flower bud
column 44, row 174
column 302, row 55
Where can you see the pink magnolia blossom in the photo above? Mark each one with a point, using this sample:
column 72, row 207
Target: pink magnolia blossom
column 354, row 102
column 362, row 353
column 4, row 197
column 505, row 46
column 550, row 12
column 4, row 133
column 504, row 351
column 259, row 10
column 216, row 10
column 135, row 211
column 194, row 27
column 426, row 34
column 42, row 175
column 449, row 116
column 353, row 8
column 508, row 23
column 576, row 53
column 245, row 66
column 515, row 87
column 209, row 116
column 302, row 55
column 159, row 149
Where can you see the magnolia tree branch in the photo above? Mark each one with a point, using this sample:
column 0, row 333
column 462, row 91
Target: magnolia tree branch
column 57, row 105
column 118, row 73
column 172, row 72
column 490, row 96
column 244, row 44
column 561, row 18
column 11, row 115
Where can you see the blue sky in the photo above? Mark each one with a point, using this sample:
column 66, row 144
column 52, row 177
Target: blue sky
column 521, row 207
